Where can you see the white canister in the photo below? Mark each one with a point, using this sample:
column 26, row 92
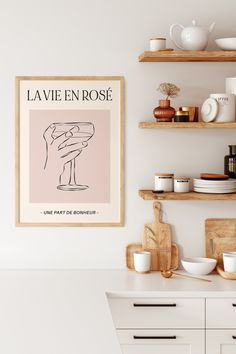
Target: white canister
column 220, row 107
column 181, row 184
column 164, row 182
column 157, row 44
column 226, row 107
column 142, row 261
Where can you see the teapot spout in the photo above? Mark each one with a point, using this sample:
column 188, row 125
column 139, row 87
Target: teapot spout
column 211, row 27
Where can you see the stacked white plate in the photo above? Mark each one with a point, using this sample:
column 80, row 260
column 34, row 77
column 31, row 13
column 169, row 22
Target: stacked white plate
column 214, row 186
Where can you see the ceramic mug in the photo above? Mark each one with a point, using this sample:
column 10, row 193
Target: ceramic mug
column 220, row 107
column 229, row 262
column 157, row 44
column 142, row 261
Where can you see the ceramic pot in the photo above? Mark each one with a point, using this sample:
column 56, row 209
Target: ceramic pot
column 193, row 37
column 164, row 112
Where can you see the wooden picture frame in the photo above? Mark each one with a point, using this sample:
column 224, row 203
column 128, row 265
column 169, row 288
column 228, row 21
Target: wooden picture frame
column 70, row 151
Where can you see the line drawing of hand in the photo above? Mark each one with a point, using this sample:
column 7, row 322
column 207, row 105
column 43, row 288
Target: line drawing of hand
column 59, row 150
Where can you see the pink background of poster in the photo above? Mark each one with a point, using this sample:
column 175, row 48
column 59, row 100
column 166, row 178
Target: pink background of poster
column 92, row 165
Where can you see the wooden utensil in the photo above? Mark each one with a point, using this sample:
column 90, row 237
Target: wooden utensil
column 220, row 236
column 169, row 273
column 131, row 248
column 157, row 239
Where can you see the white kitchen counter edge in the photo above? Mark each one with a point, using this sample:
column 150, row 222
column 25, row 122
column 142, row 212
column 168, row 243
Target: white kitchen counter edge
column 153, row 285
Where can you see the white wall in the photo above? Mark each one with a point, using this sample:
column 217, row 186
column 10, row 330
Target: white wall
column 75, row 37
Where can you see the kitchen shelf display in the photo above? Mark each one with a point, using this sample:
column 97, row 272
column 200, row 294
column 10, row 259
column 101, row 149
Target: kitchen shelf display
column 185, row 56
column 149, row 195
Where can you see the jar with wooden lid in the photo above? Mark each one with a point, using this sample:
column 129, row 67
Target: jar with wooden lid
column 164, row 182
column 181, row 184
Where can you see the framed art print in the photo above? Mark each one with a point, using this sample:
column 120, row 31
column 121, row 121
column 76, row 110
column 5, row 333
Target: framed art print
column 69, row 151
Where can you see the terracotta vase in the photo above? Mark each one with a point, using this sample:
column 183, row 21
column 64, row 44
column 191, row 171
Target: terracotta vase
column 164, row 112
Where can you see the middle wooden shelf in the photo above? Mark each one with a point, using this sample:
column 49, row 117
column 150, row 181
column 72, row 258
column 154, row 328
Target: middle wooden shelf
column 149, row 195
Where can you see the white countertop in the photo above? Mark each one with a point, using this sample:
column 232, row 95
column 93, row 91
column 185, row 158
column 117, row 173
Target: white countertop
column 116, row 282
column 129, row 283
column 61, row 311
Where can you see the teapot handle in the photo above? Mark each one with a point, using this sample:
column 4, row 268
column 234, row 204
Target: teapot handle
column 171, row 34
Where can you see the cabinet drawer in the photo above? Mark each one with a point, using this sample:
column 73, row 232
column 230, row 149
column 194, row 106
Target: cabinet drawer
column 162, row 341
column 221, row 341
column 221, row 313
column 158, row 313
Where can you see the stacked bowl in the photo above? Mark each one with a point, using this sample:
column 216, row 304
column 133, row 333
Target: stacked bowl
column 214, row 186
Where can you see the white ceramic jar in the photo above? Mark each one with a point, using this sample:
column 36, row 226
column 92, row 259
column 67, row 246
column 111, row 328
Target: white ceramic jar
column 164, row 182
column 157, row 44
column 229, row 260
column 181, row 184
column 142, row 261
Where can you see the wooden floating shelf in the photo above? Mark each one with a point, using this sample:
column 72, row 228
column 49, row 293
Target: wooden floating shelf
column 173, row 125
column 149, row 195
column 178, row 56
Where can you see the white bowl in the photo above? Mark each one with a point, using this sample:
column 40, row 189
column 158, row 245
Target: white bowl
column 199, row 266
column 226, row 43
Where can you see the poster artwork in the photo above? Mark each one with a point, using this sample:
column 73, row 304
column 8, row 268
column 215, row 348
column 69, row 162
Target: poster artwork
column 70, row 141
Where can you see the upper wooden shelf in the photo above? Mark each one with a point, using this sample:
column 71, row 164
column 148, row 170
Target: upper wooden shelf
column 189, row 125
column 178, row 55
column 149, row 195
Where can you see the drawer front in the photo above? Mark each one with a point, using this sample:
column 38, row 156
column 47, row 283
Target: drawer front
column 162, row 341
column 158, row 313
column 221, row 313
column 221, row 341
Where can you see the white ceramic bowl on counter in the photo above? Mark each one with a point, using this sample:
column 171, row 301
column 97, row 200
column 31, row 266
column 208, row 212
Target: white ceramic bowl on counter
column 199, row 266
column 226, row 43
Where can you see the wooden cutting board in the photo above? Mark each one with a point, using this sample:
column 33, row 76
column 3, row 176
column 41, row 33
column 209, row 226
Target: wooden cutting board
column 132, row 247
column 157, row 239
column 220, row 236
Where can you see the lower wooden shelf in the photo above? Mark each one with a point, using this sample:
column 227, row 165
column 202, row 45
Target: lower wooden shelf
column 189, row 125
column 149, row 195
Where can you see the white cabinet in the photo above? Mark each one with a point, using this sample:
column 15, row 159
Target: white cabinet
column 221, row 341
column 221, row 313
column 221, row 326
column 162, row 341
column 159, row 325
column 158, row 313
column 168, row 325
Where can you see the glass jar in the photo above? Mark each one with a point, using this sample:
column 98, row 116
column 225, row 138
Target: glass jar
column 181, row 116
column 230, row 162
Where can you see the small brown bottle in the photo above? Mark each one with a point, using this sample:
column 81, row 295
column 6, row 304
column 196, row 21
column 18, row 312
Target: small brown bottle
column 230, row 162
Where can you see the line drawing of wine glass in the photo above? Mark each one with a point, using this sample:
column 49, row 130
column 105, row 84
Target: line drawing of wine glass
column 80, row 132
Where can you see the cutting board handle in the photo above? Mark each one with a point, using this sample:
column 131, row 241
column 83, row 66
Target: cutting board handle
column 157, row 212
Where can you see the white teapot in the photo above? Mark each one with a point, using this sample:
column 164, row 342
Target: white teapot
column 193, row 37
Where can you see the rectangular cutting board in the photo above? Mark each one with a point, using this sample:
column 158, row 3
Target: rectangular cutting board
column 220, row 236
column 131, row 248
